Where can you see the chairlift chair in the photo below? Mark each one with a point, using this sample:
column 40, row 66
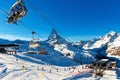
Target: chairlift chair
column 17, row 11
column 34, row 43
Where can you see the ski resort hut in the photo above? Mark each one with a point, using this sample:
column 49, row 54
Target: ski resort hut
column 8, row 48
column 43, row 51
column 100, row 66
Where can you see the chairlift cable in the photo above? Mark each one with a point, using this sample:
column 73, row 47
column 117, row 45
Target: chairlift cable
column 39, row 13
column 21, row 23
column 4, row 11
column 29, row 28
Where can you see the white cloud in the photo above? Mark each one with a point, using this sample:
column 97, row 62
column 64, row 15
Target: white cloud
column 13, row 37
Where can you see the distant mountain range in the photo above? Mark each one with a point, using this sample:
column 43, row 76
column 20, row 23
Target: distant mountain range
column 80, row 52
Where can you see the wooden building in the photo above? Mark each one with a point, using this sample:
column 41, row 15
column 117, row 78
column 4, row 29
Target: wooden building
column 43, row 51
column 101, row 65
column 8, row 48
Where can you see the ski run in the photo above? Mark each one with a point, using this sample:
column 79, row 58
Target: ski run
column 14, row 68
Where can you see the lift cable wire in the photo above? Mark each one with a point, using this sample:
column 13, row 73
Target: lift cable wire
column 4, row 11
column 29, row 28
column 39, row 13
column 21, row 23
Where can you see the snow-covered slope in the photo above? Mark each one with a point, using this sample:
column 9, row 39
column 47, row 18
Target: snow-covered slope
column 15, row 68
column 89, row 43
column 102, row 41
column 62, row 55
column 58, row 50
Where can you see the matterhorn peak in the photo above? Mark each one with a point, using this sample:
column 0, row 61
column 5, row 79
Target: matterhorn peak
column 53, row 34
column 55, row 38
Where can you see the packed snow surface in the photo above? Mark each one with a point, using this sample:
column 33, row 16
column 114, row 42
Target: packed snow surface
column 28, row 68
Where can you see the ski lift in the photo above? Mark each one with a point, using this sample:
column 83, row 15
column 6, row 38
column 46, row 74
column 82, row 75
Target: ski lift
column 34, row 43
column 17, row 11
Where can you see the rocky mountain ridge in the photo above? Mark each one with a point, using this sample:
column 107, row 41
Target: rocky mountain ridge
column 80, row 52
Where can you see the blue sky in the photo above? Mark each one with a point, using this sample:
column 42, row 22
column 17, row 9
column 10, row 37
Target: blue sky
column 74, row 19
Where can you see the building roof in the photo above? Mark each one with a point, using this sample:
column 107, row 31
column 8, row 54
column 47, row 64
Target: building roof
column 8, row 45
column 102, row 61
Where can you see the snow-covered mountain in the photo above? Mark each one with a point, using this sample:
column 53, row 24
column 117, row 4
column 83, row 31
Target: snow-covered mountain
column 24, row 66
column 67, row 49
column 108, row 44
column 114, row 47
column 58, row 48
column 55, row 38
column 101, row 41
column 80, row 52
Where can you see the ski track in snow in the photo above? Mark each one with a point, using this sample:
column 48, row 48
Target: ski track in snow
column 11, row 68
